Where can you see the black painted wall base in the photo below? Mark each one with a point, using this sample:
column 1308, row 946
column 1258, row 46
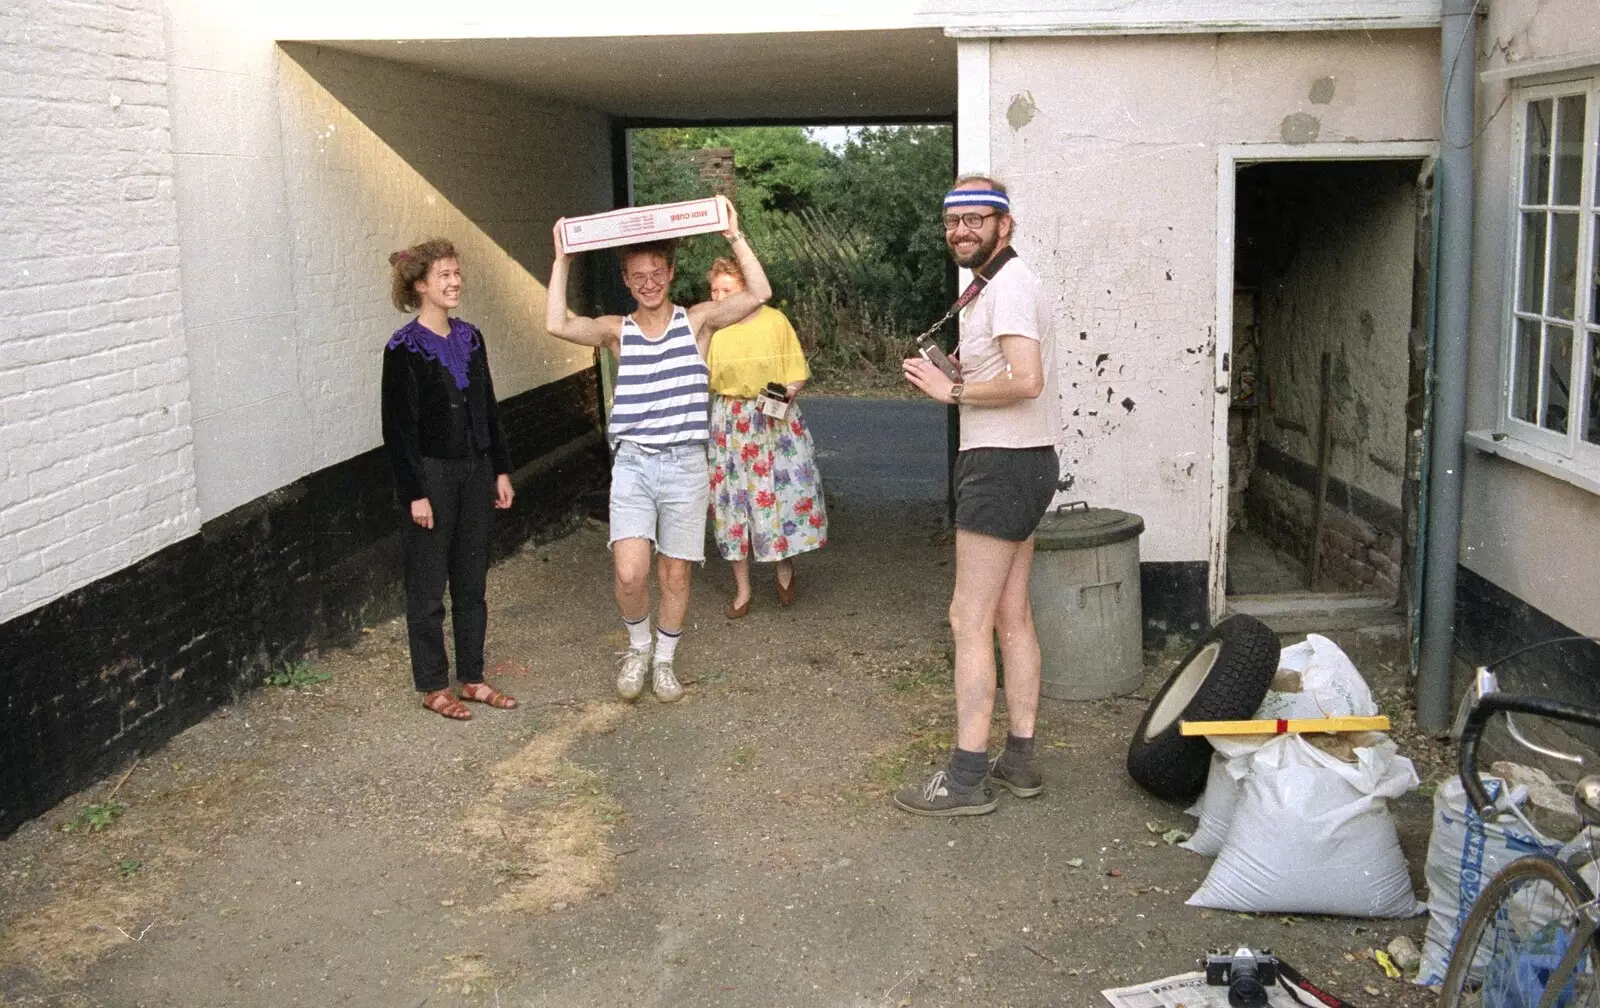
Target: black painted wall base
column 1175, row 596
column 1491, row 623
column 125, row 663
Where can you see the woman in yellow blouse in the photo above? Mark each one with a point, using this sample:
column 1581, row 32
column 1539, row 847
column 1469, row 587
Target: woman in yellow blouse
column 766, row 492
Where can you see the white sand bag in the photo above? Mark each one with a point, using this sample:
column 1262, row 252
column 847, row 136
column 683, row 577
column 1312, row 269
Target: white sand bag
column 1216, row 805
column 1315, row 679
column 1330, row 686
column 1464, row 853
column 1312, row 834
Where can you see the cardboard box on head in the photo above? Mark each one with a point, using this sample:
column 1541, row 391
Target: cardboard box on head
column 632, row 225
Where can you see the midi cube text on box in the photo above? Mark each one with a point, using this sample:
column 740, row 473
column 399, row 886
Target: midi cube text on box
column 632, row 225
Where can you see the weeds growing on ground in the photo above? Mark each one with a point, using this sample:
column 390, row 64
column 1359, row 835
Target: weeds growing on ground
column 128, row 866
column 742, row 756
column 297, row 675
column 928, row 744
column 933, row 674
column 586, row 788
column 94, row 818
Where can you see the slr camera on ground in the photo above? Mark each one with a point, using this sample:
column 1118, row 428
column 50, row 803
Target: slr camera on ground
column 1246, row 974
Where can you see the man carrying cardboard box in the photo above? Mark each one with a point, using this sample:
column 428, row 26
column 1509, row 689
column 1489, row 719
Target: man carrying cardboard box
column 658, row 430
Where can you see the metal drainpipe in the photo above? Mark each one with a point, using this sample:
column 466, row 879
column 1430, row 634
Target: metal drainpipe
column 1459, row 51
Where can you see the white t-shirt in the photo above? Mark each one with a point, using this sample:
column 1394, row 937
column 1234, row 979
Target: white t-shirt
column 1013, row 304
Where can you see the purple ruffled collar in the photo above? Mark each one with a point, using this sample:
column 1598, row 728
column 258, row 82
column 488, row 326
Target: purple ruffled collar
column 454, row 353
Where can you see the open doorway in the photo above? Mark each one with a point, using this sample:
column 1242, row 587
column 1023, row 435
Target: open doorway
column 1325, row 372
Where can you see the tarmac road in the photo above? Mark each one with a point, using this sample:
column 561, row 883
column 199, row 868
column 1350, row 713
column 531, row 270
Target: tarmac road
column 885, row 449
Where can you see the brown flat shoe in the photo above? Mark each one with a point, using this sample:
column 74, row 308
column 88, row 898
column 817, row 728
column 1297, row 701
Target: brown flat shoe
column 480, row 692
column 441, row 702
column 737, row 612
column 786, row 592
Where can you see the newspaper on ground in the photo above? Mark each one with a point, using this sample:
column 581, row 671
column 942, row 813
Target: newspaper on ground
column 1186, row 990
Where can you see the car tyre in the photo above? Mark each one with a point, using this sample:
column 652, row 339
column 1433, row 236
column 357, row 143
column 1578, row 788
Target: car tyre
column 1224, row 678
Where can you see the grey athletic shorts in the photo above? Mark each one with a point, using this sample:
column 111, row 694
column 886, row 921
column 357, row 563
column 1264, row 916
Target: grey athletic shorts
column 1003, row 492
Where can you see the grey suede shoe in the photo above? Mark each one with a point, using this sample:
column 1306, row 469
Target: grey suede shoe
column 1015, row 774
column 942, row 796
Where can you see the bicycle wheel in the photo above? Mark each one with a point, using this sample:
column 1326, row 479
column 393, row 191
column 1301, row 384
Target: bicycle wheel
column 1520, row 926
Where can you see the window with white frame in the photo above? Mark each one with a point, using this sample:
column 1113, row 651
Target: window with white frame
column 1553, row 366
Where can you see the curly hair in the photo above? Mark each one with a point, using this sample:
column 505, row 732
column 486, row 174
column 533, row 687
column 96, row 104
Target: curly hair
column 725, row 267
column 410, row 265
column 666, row 249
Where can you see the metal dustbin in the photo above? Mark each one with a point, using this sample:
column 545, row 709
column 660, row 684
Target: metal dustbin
column 1086, row 605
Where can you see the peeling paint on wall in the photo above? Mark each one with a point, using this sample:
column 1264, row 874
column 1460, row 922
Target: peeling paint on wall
column 1020, row 112
column 1300, row 128
column 1113, row 167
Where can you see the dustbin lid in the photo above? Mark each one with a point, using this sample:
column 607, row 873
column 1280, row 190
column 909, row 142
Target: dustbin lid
column 1079, row 526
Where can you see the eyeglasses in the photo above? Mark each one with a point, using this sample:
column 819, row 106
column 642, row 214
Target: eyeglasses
column 654, row 276
column 973, row 221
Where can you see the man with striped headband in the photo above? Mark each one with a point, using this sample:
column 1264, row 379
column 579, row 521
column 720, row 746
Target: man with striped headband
column 1005, row 477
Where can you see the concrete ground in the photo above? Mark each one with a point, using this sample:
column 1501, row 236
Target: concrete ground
column 338, row 845
column 1256, row 568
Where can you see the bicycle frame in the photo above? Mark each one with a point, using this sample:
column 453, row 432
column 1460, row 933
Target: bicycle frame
column 1582, row 938
column 1489, row 702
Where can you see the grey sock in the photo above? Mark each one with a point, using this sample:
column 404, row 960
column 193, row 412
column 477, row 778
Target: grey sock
column 967, row 769
column 1018, row 750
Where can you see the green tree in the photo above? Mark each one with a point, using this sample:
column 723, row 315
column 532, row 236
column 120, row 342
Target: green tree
column 661, row 173
column 889, row 183
column 850, row 239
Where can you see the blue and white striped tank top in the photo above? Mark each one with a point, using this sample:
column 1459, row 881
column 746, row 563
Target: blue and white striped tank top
column 662, row 393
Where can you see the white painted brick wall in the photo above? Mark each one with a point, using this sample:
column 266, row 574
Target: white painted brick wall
column 252, row 421
column 97, row 468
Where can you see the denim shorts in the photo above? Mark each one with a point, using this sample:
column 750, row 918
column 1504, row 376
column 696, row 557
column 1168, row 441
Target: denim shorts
column 662, row 496
column 1003, row 492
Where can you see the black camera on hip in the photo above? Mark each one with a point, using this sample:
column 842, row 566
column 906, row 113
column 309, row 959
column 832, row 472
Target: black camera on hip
column 1246, row 974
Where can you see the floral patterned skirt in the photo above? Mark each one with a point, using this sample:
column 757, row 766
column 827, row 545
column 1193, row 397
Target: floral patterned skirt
column 766, row 492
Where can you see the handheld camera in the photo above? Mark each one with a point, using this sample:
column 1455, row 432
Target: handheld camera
column 1246, row 974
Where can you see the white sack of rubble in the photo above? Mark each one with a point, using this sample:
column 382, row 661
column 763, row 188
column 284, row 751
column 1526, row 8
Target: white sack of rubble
column 1312, row 834
column 1315, row 679
column 1216, row 805
column 1329, row 684
column 1464, row 853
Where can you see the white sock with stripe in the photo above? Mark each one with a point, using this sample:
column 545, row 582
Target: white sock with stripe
column 666, row 644
column 638, row 633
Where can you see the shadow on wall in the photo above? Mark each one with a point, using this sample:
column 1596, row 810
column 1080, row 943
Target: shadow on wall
column 380, row 154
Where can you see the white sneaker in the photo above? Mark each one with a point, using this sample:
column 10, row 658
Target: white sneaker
column 663, row 683
column 630, row 679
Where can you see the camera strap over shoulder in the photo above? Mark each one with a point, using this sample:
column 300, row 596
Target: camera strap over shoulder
column 1296, row 984
column 980, row 280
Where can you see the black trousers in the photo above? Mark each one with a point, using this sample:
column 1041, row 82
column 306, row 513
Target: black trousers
column 455, row 550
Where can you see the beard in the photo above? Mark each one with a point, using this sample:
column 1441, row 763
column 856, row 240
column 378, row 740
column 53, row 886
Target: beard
column 979, row 255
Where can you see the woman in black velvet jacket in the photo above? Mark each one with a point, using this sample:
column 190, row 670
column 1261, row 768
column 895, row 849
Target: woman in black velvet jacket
column 441, row 425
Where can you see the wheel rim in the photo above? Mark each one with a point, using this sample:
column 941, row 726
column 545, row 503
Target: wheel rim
column 1182, row 689
column 1514, row 939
